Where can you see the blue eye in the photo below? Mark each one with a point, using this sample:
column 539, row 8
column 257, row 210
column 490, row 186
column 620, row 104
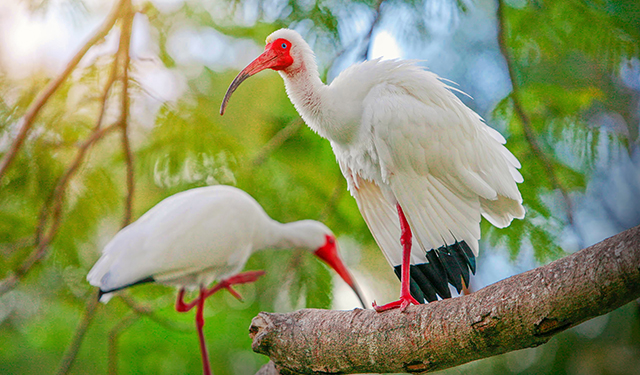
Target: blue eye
column 284, row 45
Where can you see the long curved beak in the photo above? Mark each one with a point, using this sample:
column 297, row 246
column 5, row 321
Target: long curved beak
column 332, row 259
column 262, row 62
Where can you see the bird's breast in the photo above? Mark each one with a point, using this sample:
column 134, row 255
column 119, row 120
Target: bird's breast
column 361, row 159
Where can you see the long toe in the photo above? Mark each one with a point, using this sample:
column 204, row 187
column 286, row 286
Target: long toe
column 402, row 303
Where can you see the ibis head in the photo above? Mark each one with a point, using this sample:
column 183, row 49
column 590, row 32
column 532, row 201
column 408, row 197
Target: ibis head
column 285, row 51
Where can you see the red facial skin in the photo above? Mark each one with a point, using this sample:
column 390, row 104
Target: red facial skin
column 276, row 56
column 281, row 48
column 329, row 254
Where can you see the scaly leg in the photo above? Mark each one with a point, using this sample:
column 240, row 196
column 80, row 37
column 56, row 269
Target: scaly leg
column 241, row 278
column 206, row 367
column 182, row 306
column 405, row 294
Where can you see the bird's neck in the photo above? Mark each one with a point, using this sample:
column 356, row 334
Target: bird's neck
column 313, row 101
column 288, row 236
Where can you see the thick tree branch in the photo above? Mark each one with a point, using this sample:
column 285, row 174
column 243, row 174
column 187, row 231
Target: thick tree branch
column 268, row 369
column 45, row 94
column 523, row 311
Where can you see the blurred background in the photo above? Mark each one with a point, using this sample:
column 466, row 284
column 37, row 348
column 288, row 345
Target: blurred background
column 560, row 80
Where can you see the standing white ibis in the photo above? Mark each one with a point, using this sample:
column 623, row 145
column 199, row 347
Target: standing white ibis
column 422, row 166
column 195, row 237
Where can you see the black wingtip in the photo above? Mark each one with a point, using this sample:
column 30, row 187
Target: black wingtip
column 446, row 265
column 101, row 292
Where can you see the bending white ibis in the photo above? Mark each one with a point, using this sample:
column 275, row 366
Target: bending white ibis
column 422, row 166
column 200, row 235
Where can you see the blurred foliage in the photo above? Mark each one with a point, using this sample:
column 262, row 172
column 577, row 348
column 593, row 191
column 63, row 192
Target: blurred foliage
column 566, row 57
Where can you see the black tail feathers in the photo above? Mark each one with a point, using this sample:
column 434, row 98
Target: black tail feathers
column 447, row 265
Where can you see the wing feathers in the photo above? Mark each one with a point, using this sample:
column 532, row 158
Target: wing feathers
column 442, row 164
column 381, row 218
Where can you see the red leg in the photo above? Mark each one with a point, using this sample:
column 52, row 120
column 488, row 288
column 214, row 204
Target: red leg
column 206, row 367
column 405, row 294
column 241, row 278
column 182, row 306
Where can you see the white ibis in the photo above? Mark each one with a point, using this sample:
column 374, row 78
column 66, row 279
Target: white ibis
column 195, row 237
column 422, row 166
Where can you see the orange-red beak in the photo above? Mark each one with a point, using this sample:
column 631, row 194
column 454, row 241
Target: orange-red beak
column 329, row 254
column 270, row 58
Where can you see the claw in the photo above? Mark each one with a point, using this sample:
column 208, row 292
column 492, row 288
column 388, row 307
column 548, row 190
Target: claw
column 402, row 303
column 234, row 293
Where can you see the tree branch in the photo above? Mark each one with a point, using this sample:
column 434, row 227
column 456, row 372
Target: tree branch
column 74, row 345
column 268, row 369
column 125, row 40
column 45, row 94
column 527, row 127
column 523, row 311
column 276, row 141
column 367, row 37
column 42, row 242
column 114, row 337
column 151, row 314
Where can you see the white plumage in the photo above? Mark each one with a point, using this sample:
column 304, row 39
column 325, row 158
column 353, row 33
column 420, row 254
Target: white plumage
column 195, row 237
column 404, row 142
column 200, row 235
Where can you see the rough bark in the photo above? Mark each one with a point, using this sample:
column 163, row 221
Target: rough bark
column 523, row 311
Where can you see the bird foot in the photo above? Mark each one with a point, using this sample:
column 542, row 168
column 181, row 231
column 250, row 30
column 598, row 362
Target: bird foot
column 402, row 303
column 241, row 278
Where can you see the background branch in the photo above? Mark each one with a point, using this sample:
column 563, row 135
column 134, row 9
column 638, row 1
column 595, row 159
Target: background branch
column 523, row 311
column 114, row 337
column 151, row 314
column 276, row 141
column 72, row 350
column 125, row 40
column 525, row 121
column 45, row 94
column 42, row 242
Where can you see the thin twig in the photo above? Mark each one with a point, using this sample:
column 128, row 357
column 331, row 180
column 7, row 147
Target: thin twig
column 150, row 313
column 125, row 39
column 52, row 86
column 274, row 143
column 62, row 183
column 9, row 248
column 333, row 199
column 527, row 127
column 367, row 38
column 114, row 336
column 72, row 350
column 123, row 50
column 42, row 245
